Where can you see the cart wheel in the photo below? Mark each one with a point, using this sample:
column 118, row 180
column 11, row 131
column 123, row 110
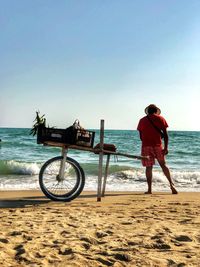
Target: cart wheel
column 64, row 189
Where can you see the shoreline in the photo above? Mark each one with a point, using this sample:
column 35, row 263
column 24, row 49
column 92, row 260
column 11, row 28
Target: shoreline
column 124, row 229
column 23, row 194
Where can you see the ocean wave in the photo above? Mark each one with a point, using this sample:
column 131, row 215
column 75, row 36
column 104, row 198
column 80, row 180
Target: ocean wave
column 118, row 171
column 15, row 174
column 18, row 168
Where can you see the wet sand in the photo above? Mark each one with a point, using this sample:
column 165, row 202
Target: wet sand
column 124, row 229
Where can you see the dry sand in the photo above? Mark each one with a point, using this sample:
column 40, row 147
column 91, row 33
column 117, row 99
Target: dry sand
column 124, row 229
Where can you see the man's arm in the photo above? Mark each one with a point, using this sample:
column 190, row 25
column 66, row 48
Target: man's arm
column 140, row 133
column 166, row 138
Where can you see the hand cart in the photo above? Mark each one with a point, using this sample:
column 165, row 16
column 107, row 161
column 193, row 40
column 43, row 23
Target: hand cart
column 62, row 178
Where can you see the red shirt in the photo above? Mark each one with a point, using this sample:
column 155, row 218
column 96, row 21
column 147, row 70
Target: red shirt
column 149, row 135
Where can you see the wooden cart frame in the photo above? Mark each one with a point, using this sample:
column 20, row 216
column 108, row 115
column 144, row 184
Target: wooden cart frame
column 101, row 152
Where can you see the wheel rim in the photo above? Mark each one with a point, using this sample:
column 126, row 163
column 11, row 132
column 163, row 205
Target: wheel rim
column 52, row 184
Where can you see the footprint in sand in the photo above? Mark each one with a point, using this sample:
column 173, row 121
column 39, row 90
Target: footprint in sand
column 65, row 233
column 27, row 237
column 132, row 243
column 4, row 240
column 101, row 234
column 173, row 263
column 126, row 223
column 109, row 232
column 39, row 255
column 105, row 262
column 19, row 251
column 86, row 246
column 15, row 233
column 73, row 225
column 158, row 236
column 122, row 257
column 183, row 238
column 89, row 240
column 185, row 221
column 159, row 242
column 162, row 246
column 65, row 251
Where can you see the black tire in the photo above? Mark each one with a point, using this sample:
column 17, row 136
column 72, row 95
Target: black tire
column 67, row 189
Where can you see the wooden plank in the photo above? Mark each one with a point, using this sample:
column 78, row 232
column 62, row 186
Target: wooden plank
column 56, row 144
column 126, row 155
column 96, row 151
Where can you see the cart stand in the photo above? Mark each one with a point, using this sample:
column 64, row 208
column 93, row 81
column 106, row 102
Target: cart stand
column 105, row 175
column 62, row 167
column 99, row 193
column 100, row 188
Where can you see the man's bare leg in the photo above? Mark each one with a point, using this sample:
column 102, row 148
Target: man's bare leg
column 166, row 172
column 149, row 179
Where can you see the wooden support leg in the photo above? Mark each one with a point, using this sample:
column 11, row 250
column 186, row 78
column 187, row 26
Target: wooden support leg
column 100, row 161
column 105, row 175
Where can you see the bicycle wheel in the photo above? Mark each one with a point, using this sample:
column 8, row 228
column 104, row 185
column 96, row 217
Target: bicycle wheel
column 67, row 188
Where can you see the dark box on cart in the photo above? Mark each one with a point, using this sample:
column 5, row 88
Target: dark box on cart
column 79, row 137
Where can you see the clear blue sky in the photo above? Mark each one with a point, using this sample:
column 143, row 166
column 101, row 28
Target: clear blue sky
column 99, row 59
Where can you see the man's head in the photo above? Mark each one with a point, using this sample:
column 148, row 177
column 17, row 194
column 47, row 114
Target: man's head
column 152, row 109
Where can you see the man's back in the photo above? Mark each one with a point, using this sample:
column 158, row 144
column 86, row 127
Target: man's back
column 149, row 135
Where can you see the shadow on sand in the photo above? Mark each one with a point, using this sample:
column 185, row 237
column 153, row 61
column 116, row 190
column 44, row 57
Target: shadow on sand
column 23, row 202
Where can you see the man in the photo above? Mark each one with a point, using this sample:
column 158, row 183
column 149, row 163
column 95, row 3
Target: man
column 150, row 128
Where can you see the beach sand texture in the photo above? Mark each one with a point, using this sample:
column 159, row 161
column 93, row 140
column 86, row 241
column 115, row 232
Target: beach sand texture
column 124, row 229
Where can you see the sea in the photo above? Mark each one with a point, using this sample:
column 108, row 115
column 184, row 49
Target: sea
column 21, row 159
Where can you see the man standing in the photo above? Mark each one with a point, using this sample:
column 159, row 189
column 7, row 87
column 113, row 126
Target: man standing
column 151, row 127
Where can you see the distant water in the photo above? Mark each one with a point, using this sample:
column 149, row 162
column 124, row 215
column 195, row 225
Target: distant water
column 21, row 159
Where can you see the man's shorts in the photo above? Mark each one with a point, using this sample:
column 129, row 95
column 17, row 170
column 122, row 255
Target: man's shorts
column 153, row 152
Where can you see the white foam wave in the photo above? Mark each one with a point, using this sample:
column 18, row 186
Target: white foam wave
column 25, row 176
column 20, row 168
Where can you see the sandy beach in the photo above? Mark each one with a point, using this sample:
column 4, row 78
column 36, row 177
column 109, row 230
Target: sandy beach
column 124, row 229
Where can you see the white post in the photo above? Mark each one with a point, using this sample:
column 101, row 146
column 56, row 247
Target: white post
column 100, row 160
column 62, row 165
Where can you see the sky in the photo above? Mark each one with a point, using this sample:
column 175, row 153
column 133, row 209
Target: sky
column 99, row 59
